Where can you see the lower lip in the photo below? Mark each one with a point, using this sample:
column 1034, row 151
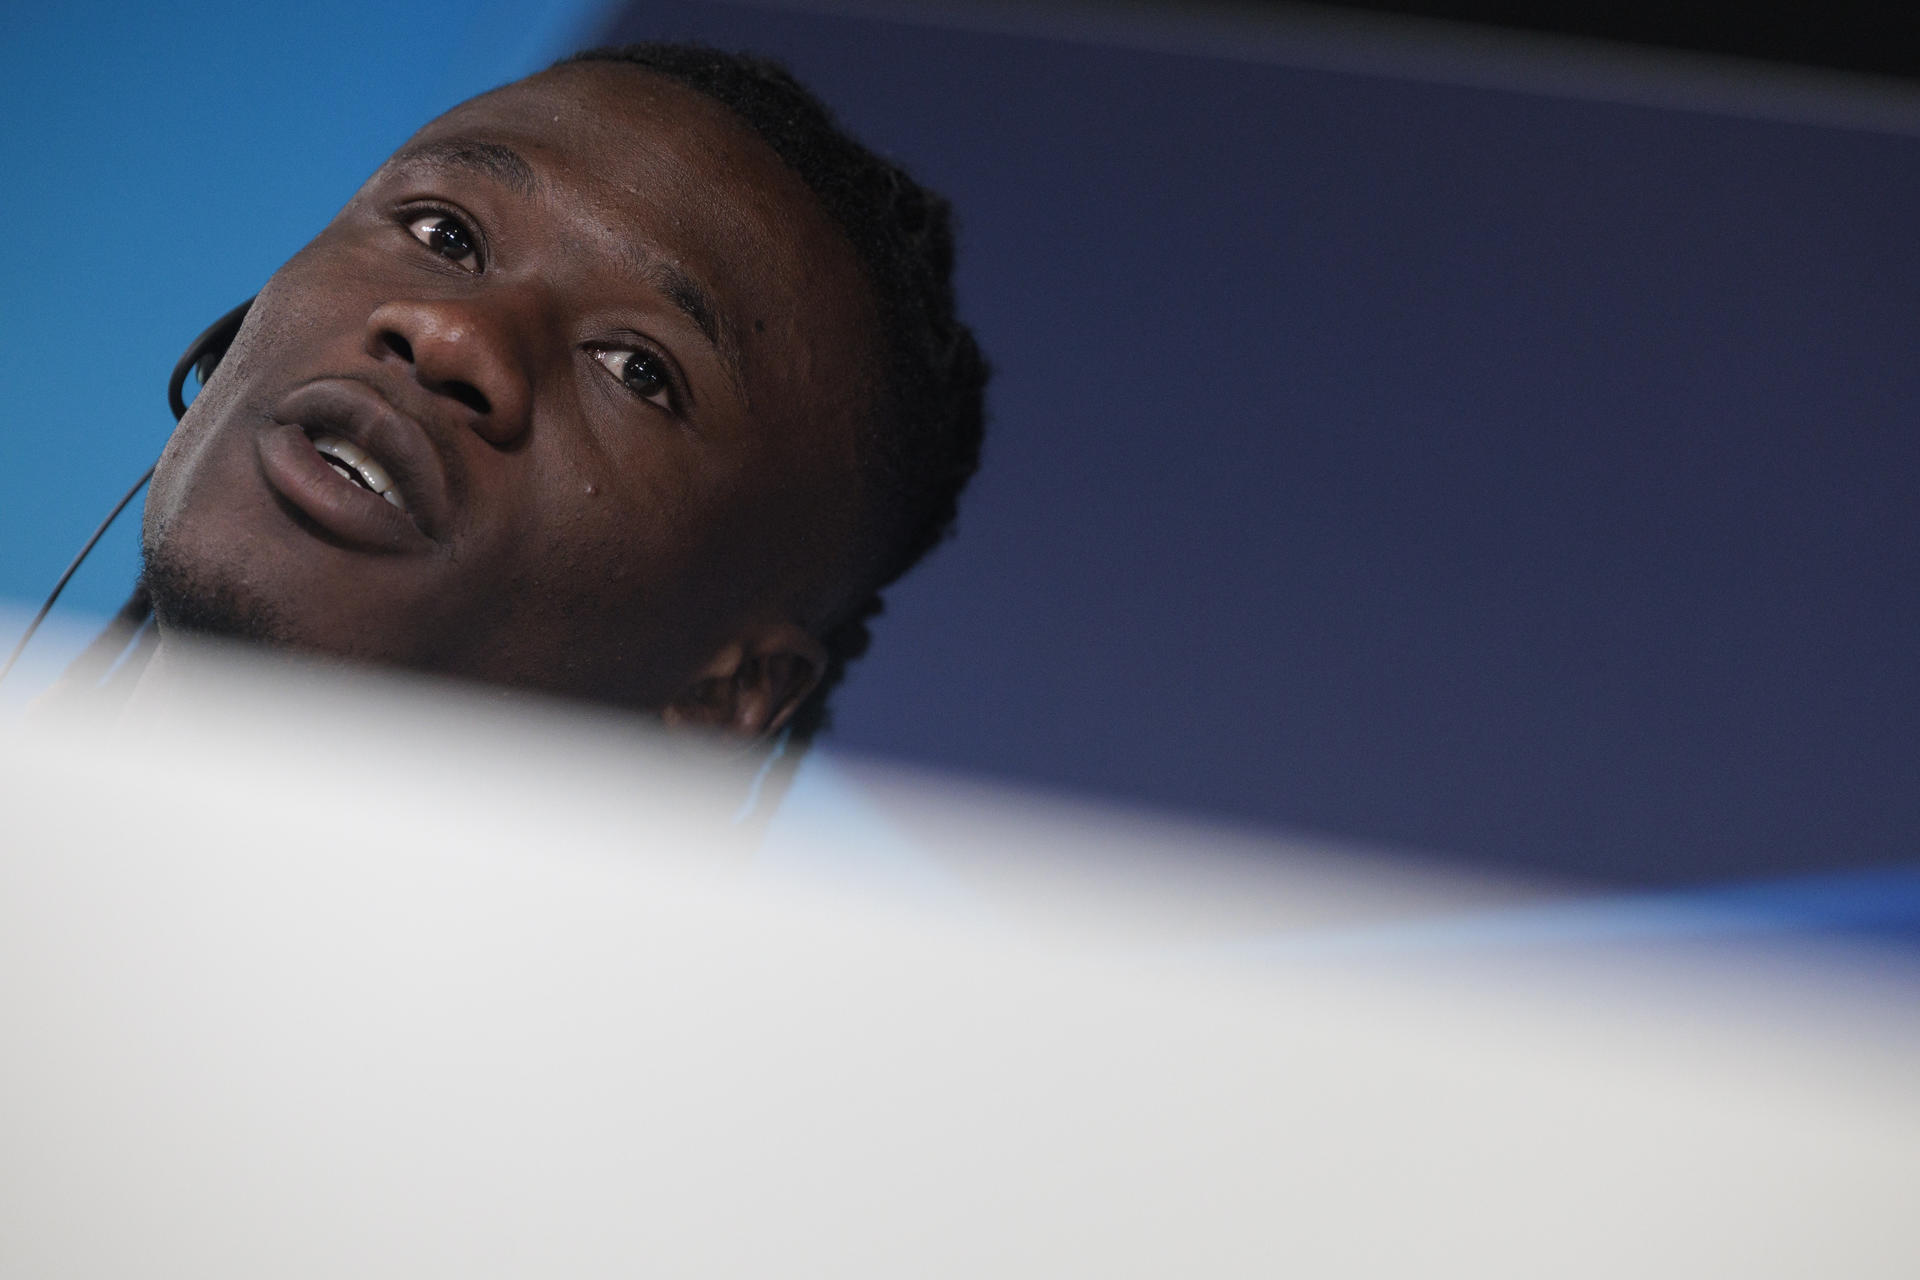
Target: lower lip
column 359, row 517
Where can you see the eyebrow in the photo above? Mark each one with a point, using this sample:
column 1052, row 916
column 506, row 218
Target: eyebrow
column 508, row 167
column 489, row 159
column 685, row 293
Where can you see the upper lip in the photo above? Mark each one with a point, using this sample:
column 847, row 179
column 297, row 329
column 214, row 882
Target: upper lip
column 360, row 412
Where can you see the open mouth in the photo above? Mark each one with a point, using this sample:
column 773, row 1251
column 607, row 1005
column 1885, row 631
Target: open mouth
column 340, row 457
column 358, row 466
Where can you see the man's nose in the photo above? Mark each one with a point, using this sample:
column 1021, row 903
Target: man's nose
column 459, row 352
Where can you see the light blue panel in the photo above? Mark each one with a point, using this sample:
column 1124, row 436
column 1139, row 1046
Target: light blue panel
column 1877, row 906
column 160, row 162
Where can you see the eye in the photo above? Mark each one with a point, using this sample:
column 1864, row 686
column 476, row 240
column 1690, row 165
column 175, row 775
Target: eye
column 639, row 371
column 447, row 236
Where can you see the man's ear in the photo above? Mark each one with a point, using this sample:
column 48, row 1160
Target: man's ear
column 752, row 686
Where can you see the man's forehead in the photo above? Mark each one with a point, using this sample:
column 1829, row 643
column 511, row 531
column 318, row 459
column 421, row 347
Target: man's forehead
column 725, row 230
column 612, row 140
column 681, row 193
column 615, row 113
column 503, row 164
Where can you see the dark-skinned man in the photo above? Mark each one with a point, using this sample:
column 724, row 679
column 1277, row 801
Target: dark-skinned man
column 634, row 381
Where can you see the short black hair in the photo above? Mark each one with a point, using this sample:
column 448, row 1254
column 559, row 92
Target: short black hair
column 921, row 443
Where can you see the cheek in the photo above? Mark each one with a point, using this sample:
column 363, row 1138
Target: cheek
column 205, row 481
column 190, row 461
column 666, row 578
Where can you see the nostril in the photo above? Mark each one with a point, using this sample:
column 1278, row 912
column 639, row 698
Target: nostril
column 467, row 394
column 398, row 345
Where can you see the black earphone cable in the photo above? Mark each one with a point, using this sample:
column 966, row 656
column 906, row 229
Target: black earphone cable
column 202, row 355
column 61, row 585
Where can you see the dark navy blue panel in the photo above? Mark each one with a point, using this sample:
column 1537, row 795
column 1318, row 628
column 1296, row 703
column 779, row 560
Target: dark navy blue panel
column 1527, row 480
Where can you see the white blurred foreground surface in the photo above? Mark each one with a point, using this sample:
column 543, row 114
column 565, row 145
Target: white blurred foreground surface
column 319, row 978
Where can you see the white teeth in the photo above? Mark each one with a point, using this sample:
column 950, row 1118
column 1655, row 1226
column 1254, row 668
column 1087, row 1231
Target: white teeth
column 352, row 455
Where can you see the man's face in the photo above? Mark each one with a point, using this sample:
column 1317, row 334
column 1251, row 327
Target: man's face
column 591, row 359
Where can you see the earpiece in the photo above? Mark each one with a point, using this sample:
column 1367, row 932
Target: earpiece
column 201, row 358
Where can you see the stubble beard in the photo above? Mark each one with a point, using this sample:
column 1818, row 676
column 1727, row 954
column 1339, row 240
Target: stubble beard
column 191, row 599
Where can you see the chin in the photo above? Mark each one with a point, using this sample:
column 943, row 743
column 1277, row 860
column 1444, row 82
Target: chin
column 189, row 599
